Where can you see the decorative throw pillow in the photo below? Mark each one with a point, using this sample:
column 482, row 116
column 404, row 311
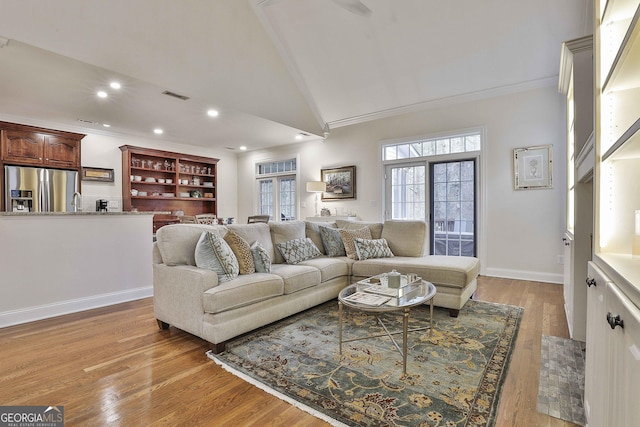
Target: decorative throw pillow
column 213, row 253
column 349, row 235
column 374, row 248
column 332, row 241
column 242, row 251
column 261, row 258
column 298, row 250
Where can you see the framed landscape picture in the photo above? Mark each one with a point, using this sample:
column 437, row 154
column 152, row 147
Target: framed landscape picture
column 533, row 167
column 341, row 183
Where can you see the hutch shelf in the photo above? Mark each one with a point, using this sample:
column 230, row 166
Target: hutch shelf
column 171, row 184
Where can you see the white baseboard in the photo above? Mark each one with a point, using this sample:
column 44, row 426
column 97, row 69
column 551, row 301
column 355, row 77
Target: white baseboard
column 533, row 276
column 30, row 314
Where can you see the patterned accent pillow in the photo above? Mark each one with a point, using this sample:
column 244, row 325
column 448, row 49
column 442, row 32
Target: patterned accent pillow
column 298, row 250
column 261, row 258
column 374, row 248
column 242, row 251
column 213, row 253
column 332, row 241
column 349, row 235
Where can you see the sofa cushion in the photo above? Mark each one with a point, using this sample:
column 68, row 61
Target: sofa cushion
column 374, row 227
column 406, row 238
column 330, row 268
column 213, row 253
column 177, row 242
column 242, row 291
column 312, row 231
column 332, row 241
column 283, row 232
column 242, row 251
column 261, row 259
column 441, row 270
column 296, row 277
column 349, row 235
column 373, row 248
column 255, row 232
column 297, row 250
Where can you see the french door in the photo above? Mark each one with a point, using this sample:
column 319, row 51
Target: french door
column 445, row 198
column 453, row 207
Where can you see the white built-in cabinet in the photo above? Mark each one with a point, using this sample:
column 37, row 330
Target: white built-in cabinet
column 576, row 82
column 612, row 376
column 612, row 364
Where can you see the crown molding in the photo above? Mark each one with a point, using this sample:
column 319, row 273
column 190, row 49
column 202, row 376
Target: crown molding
column 447, row 101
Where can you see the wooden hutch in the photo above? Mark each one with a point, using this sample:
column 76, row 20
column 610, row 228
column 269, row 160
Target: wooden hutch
column 167, row 182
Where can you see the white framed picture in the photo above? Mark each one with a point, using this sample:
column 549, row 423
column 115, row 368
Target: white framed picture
column 533, row 167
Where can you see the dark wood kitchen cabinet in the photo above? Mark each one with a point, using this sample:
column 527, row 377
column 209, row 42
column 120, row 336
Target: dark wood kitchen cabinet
column 32, row 146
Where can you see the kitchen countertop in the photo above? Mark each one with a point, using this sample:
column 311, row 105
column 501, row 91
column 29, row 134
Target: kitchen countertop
column 83, row 213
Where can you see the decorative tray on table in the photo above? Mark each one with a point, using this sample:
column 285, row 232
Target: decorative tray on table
column 409, row 283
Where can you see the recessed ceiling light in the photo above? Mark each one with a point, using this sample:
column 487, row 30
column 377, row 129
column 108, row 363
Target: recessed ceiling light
column 107, row 125
column 115, row 85
column 213, row 113
column 243, row 148
column 298, row 137
column 102, row 94
column 158, row 131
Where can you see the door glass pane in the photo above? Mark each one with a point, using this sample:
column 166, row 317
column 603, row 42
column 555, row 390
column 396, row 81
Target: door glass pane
column 287, row 199
column 453, row 208
column 265, row 189
column 408, row 192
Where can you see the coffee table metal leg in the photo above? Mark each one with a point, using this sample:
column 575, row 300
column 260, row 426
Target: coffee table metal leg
column 405, row 328
column 340, row 324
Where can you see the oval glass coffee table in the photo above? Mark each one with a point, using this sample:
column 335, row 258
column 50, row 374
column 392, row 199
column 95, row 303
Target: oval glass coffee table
column 423, row 294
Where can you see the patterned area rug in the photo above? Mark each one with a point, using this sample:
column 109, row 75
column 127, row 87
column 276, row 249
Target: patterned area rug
column 453, row 377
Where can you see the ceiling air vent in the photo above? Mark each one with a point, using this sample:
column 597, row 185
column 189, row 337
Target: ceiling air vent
column 175, row 95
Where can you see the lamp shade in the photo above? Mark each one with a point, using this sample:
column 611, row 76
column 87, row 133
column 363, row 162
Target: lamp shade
column 316, row 186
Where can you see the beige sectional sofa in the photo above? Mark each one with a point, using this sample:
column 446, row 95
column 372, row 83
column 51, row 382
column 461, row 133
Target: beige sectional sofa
column 194, row 300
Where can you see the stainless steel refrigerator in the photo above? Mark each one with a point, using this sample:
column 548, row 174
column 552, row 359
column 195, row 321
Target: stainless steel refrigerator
column 29, row 189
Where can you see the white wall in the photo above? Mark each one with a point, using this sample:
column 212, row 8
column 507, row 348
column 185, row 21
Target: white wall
column 522, row 229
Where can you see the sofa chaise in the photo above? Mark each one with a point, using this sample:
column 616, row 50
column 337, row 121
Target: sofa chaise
column 200, row 302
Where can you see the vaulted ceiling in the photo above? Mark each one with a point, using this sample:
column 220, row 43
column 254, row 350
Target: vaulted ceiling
column 273, row 69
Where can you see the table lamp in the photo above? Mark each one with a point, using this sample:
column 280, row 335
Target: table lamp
column 316, row 187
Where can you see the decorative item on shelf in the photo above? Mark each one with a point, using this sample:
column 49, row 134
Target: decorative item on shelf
column 195, row 193
column 195, row 181
column 316, row 187
column 208, row 195
column 325, row 212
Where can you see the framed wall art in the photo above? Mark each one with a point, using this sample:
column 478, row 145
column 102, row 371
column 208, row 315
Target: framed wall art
column 97, row 174
column 533, row 167
column 341, row 183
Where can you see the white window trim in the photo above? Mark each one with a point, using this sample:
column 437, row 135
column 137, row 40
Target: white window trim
column 296, row 173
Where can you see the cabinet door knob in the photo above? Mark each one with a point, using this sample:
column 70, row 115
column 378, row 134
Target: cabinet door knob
column 591, row 281
column 614, row 321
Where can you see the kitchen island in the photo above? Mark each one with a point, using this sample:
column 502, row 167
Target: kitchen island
column 54, row 263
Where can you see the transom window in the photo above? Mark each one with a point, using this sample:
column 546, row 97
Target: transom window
column 432, row 147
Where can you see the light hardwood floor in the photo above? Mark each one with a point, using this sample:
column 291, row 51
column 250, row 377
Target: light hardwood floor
column 112, row 366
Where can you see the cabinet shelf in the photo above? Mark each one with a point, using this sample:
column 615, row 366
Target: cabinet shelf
column 171, row 165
